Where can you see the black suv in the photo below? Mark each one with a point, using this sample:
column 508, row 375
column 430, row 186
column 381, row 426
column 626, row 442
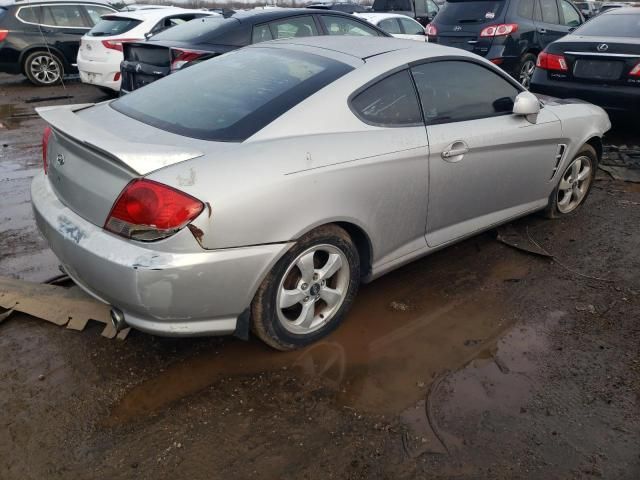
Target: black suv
column 41, row 39
column 422, row 10
column 510, row 33
column 201, row 39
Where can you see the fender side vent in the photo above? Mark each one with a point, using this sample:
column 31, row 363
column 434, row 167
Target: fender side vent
column 562, row 148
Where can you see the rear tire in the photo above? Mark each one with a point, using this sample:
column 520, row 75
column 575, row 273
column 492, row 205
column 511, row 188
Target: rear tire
column 526, row 67
column 574, row 184
column 43, row 69
column 308, row 292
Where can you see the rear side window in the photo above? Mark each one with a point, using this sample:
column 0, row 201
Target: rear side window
column 411, row 27
column 470, row 12
column 113, row 26
column 390, row 25
column 391, row 102
column 570, row 14
column 611, row 26
column 29, row 14
column 261, row 33
column 549, row 11
column 96, row 11
column 67, row 15
column 454, row 91
column 206, row 101
column 294, row 27
column 345, row 26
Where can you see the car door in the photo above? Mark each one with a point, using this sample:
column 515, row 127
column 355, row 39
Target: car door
column 570, row 17
column 486, row 165
column 70, row 24
column 547, row 20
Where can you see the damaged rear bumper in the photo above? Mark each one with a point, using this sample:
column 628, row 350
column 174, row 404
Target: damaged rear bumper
column 172, row 287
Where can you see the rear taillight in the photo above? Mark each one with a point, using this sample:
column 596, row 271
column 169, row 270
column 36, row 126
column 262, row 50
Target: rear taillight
column 180, row 57
column 3, row 34
column 147, row 211
column 117, row 44
column 45, row 146
column 635, row 71
column 550, row 61
column 499, row 30
column 431, row 30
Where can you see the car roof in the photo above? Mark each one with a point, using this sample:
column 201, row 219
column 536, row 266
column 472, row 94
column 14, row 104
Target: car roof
column 26, row 3
column 625, row 10
column 366, row 47
column 157, row 14
column 267, row 15
column 377, row 16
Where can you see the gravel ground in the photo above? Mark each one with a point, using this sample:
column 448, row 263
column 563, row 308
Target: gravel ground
column 480, row 361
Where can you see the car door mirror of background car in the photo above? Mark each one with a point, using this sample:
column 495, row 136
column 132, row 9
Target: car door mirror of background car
column 527, row 105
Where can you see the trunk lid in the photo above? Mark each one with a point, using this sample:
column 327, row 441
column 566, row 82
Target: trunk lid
column 89, row 166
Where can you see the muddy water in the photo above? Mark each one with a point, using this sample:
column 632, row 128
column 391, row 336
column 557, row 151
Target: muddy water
column 404, row 330
column 12, row 116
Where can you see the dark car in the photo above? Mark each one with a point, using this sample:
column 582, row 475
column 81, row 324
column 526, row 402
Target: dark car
column 423, row 11
column 588, row 8
column 41, row 39
column 510, row 33
column 599, row 62
column 205, row 38
column 345, row 7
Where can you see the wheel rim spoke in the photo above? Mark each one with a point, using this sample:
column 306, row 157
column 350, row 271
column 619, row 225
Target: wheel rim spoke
column 289, row 298
column 334, row 263
column 575, row 169
column 306, row 267
column 330, row 296
column 565, row 184
column 566, row 199
column 585, row 173
column 305, row 319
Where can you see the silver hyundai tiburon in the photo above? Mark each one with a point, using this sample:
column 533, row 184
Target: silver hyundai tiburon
column 257, row 190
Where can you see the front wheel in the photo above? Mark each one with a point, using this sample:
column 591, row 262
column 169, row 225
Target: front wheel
column 574, row 185
column 526, row 69
column 309, row 291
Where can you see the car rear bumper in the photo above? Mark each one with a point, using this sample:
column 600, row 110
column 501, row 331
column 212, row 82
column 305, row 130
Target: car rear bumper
column 101, row 74
column 192, row 293
column 612, row 98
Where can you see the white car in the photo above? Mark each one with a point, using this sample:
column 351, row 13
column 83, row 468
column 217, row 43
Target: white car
column 398, row 25
column 100, row 51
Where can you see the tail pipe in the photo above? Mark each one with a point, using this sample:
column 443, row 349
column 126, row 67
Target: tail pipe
column 117, row 319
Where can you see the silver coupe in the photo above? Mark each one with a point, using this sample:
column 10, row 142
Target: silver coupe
column 257, row 190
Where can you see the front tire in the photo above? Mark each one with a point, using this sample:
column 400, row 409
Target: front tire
column 43, row 69
column 309, row 291
column 574, row 184
column 526, row 68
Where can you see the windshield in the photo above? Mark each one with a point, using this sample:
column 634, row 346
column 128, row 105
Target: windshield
column 225, row 31
column 475, row 11
column 611, row 25
column 208, row 101
column 392, row 6
column 113, row 26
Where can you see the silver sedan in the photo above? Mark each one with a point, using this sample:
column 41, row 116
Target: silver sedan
column 257, row 190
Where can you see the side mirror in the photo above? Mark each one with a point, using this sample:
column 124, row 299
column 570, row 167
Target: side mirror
column 148, row 35
column 527, row 105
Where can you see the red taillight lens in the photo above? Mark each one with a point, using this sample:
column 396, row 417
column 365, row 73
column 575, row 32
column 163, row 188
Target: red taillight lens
column 45, row 145
column 147, row 211
column 117, row 44
column 431, row 30
column 499, row 30
column 635, row 71
column 180, row 57
column 3, row 34
column 116, row 76
column 550, row 61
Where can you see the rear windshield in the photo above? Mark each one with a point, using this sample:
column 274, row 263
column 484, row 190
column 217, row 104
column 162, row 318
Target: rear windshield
column 113, row 26
column 611, row 25
column 216, row 30
column 208, row 101
column 474, row 11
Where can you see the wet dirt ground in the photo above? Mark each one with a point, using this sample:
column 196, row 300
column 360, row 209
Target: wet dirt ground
column 479, row 361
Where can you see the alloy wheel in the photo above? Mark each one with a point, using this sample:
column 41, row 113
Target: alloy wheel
column 313, row 289
column 574, row 184
column 526, row 72
column 45, row 69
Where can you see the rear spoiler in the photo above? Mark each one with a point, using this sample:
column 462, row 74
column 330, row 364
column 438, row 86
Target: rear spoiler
column 140, row 158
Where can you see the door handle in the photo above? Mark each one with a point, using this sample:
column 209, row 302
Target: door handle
column 455, row 152
column 542, row 30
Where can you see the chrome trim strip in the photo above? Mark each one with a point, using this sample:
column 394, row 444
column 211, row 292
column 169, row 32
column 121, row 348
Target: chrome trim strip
column 17, row 15
column 595, row 54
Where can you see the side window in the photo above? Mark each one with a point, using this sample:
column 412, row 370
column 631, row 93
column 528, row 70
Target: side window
column 336, row 25
column 454, row 91
column 261, row 33
column 95, row 12
column 432, row 8
column 294, row 27
column 391, row 102
column 525, row 9
column 549, row 10
column 67, row 16
column 411, row 27
column 571, row 16
column 29, row 14
column 390, row 25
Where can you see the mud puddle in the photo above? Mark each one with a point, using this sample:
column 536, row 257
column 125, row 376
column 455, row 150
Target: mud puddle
column 12, row 116
column 406, row 328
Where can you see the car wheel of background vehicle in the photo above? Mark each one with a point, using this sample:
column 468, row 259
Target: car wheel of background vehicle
column 43, row 69
column 308, row 292
column 526, row 69
column 574, row 185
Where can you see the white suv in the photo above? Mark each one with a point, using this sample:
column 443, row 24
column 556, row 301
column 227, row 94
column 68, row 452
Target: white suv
column 100, row 51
